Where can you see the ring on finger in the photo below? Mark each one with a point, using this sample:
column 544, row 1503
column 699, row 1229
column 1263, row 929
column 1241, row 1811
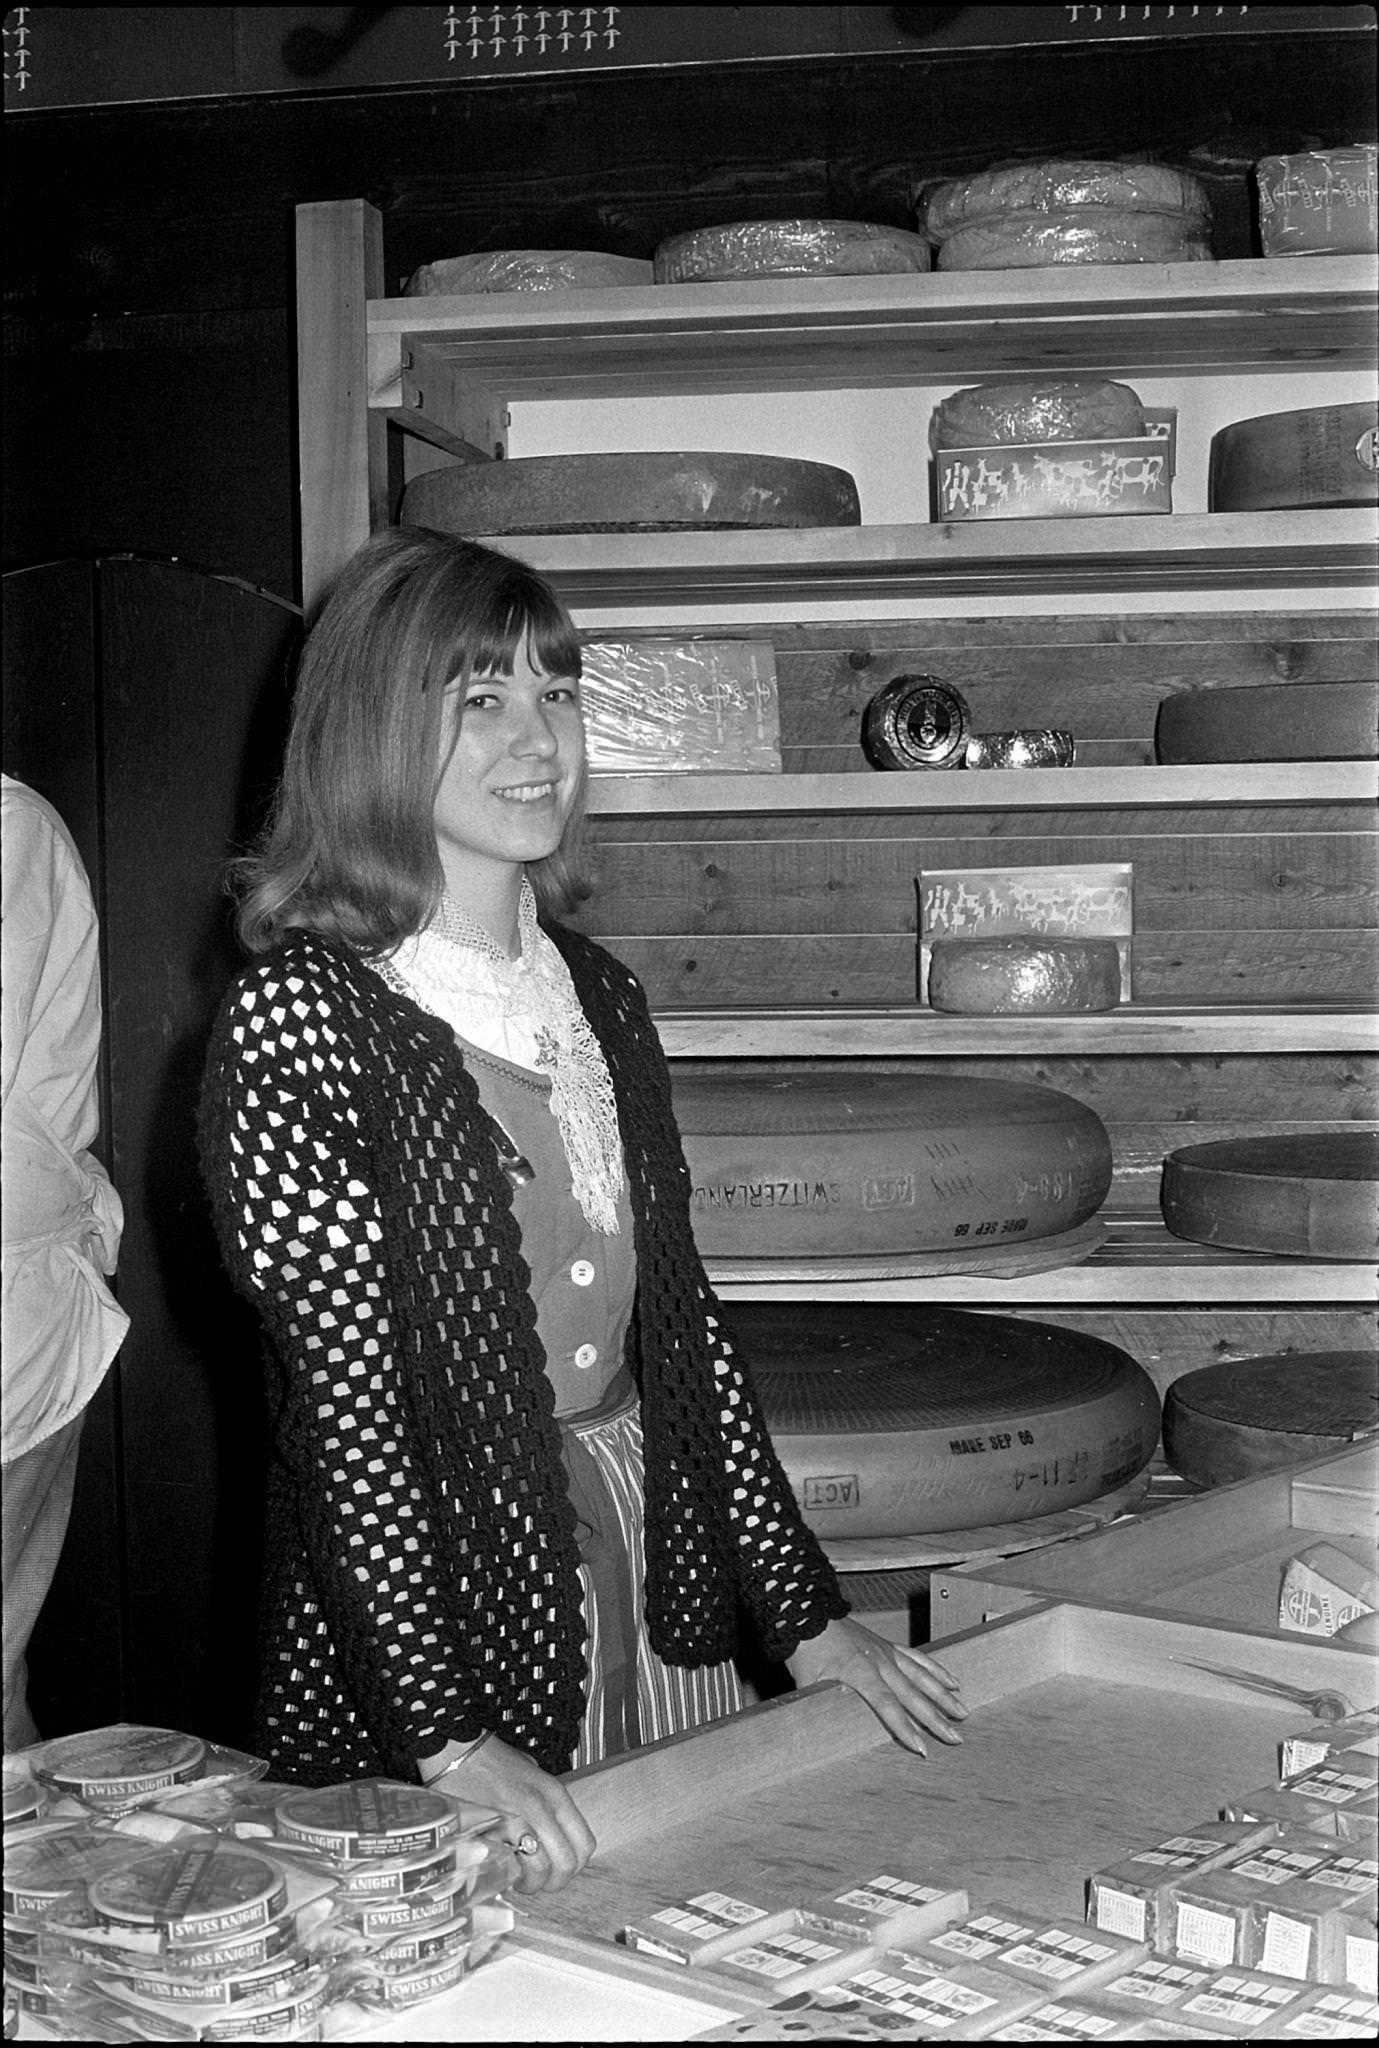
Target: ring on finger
column 527, row 1844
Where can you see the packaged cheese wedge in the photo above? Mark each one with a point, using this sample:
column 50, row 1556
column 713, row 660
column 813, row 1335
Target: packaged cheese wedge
column 1036, row 1948
column 699, row 1930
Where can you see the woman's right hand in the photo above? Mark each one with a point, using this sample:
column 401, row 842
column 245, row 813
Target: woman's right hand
column 534, row 1805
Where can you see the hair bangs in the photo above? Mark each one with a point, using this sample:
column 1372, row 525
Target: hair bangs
column 521, row 615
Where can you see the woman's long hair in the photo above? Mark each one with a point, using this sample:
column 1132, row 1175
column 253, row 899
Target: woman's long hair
column 350, row 847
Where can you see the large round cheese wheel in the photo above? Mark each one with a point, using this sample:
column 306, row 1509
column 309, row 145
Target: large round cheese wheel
column 1308, row 1195
column 1036, row 409
column 1247, row 1415
column 1054, row 188
column 1088, row 234
column 528, row 270
column 1023, row 977
column 789, row 248
column 900, row 1421
column 1321, row 455
column 1270, row 722
column 1322, row 202
column 655, row 493
column 829, row 1164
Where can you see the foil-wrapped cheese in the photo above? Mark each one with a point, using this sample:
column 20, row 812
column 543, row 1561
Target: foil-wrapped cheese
column 789, row 248
column 1024, row 977
column 1055, row 188
column 1085, row 234
column 527, row 270
column 1036, row 409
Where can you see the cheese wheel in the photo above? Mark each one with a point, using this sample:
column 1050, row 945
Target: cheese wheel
column 906, row 1421
column 1271, row 722
column 1321, row 455
column 1247, row 1415
column 114, row 1766
column 528, row 270
column 1024, row 977
column 789, row 248
column 1089, row 234
column 1036, row 409
column 829, row 1164
column 657, row 493
column 192, row 1894
column 1309, row 1196
column 368, row 1817
column 1323, row 202
column 1054, row 188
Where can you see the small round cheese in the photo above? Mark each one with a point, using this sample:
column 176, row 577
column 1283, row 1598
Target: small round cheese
column 112, row 1766
column 1054, row 188
column 789, row 248
column 370, row 1818
column 1036, row 409
column 527, row 270
column 1023, row 976
column 192, row 1894
column 47, row 1869
column 1087, row 234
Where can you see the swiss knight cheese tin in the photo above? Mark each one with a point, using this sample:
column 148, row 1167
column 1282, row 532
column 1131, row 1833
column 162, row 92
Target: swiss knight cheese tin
column 192, row 1894
column 364, row 1821
column 112, row 1766
column 46, row 1871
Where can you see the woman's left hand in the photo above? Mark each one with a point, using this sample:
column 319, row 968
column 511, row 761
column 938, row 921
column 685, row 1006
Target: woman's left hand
column 905, row 1690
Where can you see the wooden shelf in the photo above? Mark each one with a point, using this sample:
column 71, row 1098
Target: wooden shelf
column 988, row 789
column 906, row 1030
column 843, row 333
column 1140, row 1262
column 976, row 558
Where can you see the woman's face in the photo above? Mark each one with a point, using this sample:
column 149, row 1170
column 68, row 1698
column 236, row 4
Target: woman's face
column 510, row 774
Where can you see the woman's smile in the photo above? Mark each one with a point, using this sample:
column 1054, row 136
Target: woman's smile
column 512, row 756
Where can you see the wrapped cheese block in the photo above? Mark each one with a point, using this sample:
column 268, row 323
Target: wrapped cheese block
column 1324, row 202
column 527, row 270
column 1031, row 409
column 1056, row 188
column 789, row 248
column 651, row 493
column 1024, row 976
column 1088, row 234
column 1320, row 455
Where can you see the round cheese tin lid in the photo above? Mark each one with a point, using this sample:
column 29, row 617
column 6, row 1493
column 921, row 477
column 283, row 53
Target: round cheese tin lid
column 50, row 1868
column 22, row 1795
column 121, row 1763
column 372, row 1818
column 192, row 1893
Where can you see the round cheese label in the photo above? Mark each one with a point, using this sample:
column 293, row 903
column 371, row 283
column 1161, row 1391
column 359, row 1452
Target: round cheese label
column 404, row 1913
column 243, row 1950
column 372, row 1818
column 192, row 1894
column 285, row 2019
column 275, row 1980
column 51, row 1868
column 112, row 1764
column 396, row 1876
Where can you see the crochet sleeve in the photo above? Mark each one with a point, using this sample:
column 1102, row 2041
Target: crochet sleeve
column 286, row 1165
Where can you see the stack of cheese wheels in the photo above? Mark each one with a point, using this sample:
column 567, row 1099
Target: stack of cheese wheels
column 905, row 1421
column 654, row 493
column 821, row 1164
column 528, row 270
column 789, row 248
column 1248, row 1415
column 1032, row 215
column 1323, row 202
column 1270, row 722
column 1309, row 1195
column 1035, row 409
column 1321, row 455
column 1024, row 975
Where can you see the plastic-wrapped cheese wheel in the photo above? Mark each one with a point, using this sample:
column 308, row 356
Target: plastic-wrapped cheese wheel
column 1036, row 409
column 1323, row 202
column 369, row 1817
column 1087, row 234
column 192, row 1894
column 1056, row 187
column 112, row 1766
column 1023, row 977
column 789, row 248
column 651, row 493
column 527, row 270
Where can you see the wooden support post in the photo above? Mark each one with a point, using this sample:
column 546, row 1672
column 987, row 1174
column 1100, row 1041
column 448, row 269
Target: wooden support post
column 342, row 445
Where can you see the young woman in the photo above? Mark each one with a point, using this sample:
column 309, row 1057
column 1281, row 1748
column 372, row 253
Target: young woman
column 522, row 1501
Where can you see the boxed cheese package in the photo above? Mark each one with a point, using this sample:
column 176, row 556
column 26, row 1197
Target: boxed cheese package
column 1133, row 1897
column 803, row 1954
column 1051, row 448
column 699, row 1930
column 929, row 2002
column 1242, row 2004
column 1319, row 1741
column 1324, row 1587
column 651, row 706
column 1153, row 1987
column 1062, row 1954
column 1340, row 1796
column 1026, row 941
column 1330, row 2015
column 1301, row 1930
column 889, row 1911
column 1321, row 202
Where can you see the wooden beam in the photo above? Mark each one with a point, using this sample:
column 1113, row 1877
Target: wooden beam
column 342, row 444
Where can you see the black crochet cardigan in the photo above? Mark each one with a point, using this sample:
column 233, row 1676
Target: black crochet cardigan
column 421, row 1568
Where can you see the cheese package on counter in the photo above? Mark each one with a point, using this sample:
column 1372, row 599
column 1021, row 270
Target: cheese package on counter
column 1244, row 2004
column 115, row 1770
column 698, row 1930
column 1153, row 1987
column 1324, row 1588
column 1211, row 1916
column 1319, row 1741
column 1340, row 1796
column 653, row 706
column 1325, row 2014
column 1066, row 1954
column 960, row 2002
column 1082, row 2019
column 1301, row 1930
column 890, row 1911
column 1134, row 1897
column 800, row 1956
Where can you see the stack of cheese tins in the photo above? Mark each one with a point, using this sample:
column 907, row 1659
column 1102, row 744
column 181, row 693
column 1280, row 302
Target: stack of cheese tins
column 1028, row 216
